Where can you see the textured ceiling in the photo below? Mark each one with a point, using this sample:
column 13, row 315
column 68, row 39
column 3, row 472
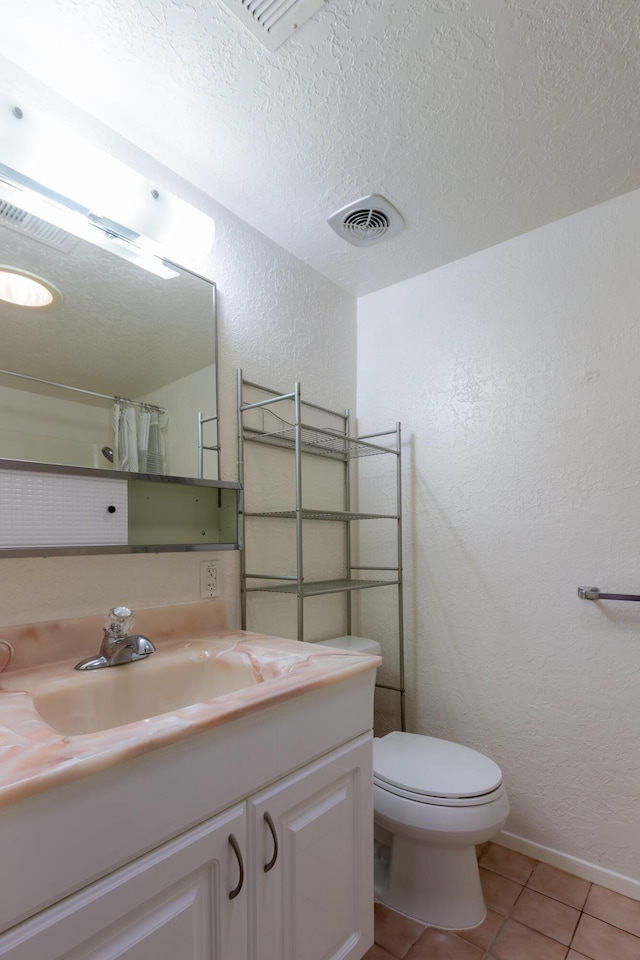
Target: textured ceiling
column 478, row 119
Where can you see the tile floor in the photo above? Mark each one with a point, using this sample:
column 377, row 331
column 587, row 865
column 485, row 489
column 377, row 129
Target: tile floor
column 534, row 912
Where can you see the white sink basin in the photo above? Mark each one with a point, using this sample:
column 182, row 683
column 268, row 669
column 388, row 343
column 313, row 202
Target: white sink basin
column 91, row 701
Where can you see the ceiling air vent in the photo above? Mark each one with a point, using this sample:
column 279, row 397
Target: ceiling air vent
column 29, row 226
column 367, row 221
column 272, row 21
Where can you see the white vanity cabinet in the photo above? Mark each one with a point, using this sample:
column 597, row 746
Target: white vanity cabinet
column 171, row 898
column 310, row 862
column 171, row 904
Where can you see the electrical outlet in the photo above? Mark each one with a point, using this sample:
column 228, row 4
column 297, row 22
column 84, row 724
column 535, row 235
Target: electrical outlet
column 209, row 585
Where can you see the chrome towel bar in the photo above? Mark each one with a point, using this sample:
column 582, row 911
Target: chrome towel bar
column 594, row 593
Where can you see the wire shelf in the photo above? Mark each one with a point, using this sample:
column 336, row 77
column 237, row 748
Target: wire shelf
column 341, row 516
column 319, row 587
column 319, row 441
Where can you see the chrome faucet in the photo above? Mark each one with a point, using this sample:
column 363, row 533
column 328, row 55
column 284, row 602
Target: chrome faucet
column 117, row 645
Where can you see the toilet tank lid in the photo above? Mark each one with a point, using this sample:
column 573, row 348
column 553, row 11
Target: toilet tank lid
column 432, row 767
column 356, row 644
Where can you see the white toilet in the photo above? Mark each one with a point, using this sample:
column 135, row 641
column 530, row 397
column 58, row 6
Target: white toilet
column 434, row 801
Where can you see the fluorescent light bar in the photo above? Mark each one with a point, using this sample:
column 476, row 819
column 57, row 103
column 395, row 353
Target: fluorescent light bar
column 105, row 196
column 76, row 222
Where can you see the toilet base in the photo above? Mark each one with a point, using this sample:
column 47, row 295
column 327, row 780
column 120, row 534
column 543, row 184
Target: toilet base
column 438, row 886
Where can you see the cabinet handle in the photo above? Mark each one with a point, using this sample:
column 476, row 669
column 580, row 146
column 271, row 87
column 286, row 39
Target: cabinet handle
column 272, row 827
column 236, row 849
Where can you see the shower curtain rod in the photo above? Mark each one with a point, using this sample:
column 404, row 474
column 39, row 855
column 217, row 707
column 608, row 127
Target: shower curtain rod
column 89, row 393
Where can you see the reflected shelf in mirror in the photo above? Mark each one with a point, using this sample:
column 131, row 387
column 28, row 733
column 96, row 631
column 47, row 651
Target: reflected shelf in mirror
column 51, row 510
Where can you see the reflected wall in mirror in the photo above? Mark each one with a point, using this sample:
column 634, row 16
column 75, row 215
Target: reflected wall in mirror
column 119, row 331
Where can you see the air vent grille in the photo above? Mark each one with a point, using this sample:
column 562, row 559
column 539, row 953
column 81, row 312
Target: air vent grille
column 272, row 21
column 25, row 223
column 367, row 221
column 366, row 225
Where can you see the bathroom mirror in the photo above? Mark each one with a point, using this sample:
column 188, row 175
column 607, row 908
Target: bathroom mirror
column 118, row 331
column 108, row 389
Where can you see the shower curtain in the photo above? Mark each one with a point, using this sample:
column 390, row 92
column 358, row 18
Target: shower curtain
column 138, row 437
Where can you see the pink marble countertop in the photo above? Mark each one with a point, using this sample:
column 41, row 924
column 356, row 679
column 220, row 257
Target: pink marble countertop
column 190, row 639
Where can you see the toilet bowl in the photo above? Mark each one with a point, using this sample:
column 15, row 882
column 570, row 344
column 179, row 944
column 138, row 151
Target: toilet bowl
column 433, row 802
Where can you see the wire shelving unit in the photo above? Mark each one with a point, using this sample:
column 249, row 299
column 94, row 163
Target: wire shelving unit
column 286, row 427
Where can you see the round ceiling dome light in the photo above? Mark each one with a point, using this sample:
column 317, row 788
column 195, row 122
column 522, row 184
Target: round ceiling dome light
column 24, row 289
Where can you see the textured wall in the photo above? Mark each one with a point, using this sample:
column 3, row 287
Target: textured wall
column 279, row 319
column 38, row 427
column 182, row 400
column 516, row 375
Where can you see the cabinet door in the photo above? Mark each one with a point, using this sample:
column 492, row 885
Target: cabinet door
column 41, row 509
column 171, row 904
column 315, row 899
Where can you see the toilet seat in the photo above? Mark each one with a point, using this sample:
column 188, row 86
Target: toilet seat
column 440, row 801
column 432, row 771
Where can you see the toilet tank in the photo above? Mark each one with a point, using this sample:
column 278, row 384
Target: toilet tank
column 355, row 644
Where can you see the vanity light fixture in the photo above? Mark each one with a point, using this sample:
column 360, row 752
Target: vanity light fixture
column 24, row 289
column 31, row 201
column 51, row 172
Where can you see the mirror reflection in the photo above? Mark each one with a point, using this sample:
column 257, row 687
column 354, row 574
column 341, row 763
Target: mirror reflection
column 145, row 344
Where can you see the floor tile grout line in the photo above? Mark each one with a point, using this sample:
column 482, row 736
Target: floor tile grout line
column 558, row 900
column 606, row 922
column 496, row 935
column 410, row 948
column 549, row 935
column 535, row 930
column 610, row 924
column 581, row 911
column 575, row 929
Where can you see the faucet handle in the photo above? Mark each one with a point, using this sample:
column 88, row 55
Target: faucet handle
column 118, row 623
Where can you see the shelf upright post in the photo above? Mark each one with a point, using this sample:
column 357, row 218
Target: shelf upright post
column 403, row 722
column 347, row 506
column 241, row 530
column 216, row 417
column 216, row 347
column 298, row 468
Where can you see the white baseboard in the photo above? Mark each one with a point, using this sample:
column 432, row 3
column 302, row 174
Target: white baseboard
column 579, row 868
